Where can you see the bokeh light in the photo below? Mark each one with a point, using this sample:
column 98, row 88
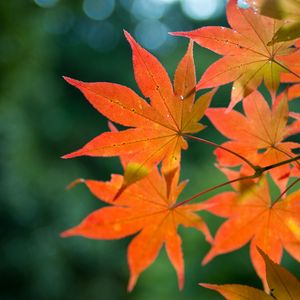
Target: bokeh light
column 243, row 4
column 45, row 3
column 168, row 1
column 98, row 9
column 102, row 37
column 152, row 34
column 149, row 9
column 203, row 9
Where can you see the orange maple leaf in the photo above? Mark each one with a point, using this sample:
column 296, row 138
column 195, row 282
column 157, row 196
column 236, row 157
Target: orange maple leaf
column 156, row 129
column 293, row 61
column 282, row 285
column 258, row 135
column 247, row 57
column 253, row 217
column 146, row 208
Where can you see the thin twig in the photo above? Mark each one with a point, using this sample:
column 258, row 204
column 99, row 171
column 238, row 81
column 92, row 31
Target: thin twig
column 213, row 188
column 259, row 171
column 223, row 148
column 287, row 154
column 284, row 162
column 289, row 187
column 284, row 67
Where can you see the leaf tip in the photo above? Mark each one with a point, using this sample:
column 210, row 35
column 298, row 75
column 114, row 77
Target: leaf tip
column 74, row 183
column 230, row 107
column 128, row 36
column 67, row 233
column 131, row 283
column 209, row 256
column 73, row 154
column 261, row 252
column 70, row 80
column 179, row 33
column 112, row 127
column 66, row 156
column 205, row 285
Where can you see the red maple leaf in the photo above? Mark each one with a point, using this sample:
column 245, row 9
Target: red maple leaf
column 156, row 129
column 248, row 59
column 146, row 208
column 253, row 217
column 258, row 135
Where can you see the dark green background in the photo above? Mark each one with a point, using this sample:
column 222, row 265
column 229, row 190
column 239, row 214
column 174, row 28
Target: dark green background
column 42, row 118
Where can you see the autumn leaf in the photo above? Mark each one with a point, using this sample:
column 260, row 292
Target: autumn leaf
column 282, row 284
column 253, row 217
column 294, row 127
column 258, row 135
column 146, row 209
column 156, row 129
column 286, row 10
column 294, row 91
column 224, row 204
column 248, row 60
column 294, row 77
column 238, row 292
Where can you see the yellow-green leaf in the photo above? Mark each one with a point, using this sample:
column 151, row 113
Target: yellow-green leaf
column 238, row 292
column 287, row 10
column 283, row 284
column 134, row 172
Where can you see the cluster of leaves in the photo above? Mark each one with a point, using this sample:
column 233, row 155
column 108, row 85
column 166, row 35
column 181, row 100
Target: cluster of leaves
column 144, row 199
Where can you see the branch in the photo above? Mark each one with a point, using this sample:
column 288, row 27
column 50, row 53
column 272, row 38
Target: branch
column 213, row 188
column 259, row 171
column 284, row 162
column 287, row 154
column 289, row 187
column 255, row 168
column 286, row 68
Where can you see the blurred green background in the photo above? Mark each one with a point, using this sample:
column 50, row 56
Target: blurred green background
column 42, row 118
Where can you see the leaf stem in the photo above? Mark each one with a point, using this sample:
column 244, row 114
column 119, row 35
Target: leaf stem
column 284, row 162
column 287, row 154
column 286, row 68
column 255, row 168
column 289, row 187
column 213, row 188
column 258, row 172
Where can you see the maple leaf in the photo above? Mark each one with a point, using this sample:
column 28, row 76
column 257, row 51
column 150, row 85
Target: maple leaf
column 294, row 91
column 294, row 77
column 286, row 10
column 247, row 58
column 224, row 204
column 146, row 208
column 258, row 135
column 282, row 284
column 238, row 292
column 253, row 217
column 156, row 129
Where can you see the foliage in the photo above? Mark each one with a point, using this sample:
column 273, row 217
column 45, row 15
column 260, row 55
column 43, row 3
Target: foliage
column 143, row 200
column 286, row 10
column 281, row 283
